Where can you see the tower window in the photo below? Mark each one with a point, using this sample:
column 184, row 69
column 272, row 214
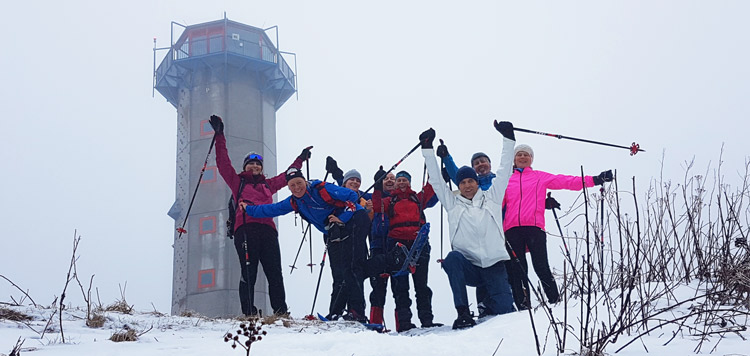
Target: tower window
column 206, row 128
column 209, row 176
column 207, row 278
column 207, row 225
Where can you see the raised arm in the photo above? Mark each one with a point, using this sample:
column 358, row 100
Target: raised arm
column 450, row 165
column 278, row 182
column 434, row 177
column 505, row 169
column 223, row 163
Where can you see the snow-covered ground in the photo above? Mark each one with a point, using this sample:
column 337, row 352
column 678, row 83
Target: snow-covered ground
column 510, row 334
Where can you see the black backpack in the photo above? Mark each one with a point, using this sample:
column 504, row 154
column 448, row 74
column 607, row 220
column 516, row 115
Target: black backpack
column 232, row 206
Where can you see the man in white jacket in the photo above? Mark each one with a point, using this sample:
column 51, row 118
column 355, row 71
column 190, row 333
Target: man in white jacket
column 476, row 230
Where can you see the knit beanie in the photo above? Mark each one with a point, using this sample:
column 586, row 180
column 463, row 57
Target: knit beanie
column 292, row 173
column 352, row 174
column 479, row 154
column 404, row 174
column 466, row 172
column 524, row 148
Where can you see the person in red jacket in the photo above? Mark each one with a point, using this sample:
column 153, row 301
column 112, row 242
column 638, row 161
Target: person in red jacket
column 257, row 237
column 523, row 223
column 405, row 210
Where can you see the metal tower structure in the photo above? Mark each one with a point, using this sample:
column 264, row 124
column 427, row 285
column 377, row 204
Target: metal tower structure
column 235, row 71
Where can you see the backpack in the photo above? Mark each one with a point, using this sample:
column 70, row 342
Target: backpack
column 232, row 206
column 409, row 219
column 321, row 188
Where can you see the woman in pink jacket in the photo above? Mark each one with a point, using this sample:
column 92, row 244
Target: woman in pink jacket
column 523, row 223
column 255, row 239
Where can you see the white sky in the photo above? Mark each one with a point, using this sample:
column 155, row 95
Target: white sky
column 86, row 146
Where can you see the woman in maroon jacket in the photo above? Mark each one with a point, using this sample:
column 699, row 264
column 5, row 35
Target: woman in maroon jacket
column 256, row 237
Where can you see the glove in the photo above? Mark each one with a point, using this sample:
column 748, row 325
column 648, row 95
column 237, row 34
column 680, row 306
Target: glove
column 550, row 203
column 305, row 155
column 333, row 168
column 603, row 177
column 426, row 138
column 446, row 176
column 216, row 124
column 442, row 150
column 379, row 175
column 506, row 129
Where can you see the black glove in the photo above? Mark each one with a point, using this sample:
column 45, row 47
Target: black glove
column 216, row 124
column 333, row 168
column 305, row 155
column 426, row 138
column 506, row 129
column 442, row 150
column 446, row 176
column 603, row 177
column 379, row 176
column 550, row 203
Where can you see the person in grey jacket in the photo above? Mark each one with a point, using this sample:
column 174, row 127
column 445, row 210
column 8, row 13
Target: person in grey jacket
column 476, row 230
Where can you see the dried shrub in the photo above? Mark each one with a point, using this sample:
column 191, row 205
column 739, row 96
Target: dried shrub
column 124, row 335
column 120, row 306
column 12, row 315
column 189, row 313
column 96, row 320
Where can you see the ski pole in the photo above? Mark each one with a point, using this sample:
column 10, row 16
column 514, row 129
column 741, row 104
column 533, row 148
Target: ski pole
column 301, row 243
column 250, row 288
column 565, row 245
column 311, row 264
column 634, row 147
column 181, row 229
column 391, row 169
column 601, row 241
column 525, row 289
column 317, row 286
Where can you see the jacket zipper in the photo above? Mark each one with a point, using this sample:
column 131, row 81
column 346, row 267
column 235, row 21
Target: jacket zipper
column 520, row 200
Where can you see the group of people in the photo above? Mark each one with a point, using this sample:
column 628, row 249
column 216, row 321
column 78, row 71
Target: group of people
column 493, row 218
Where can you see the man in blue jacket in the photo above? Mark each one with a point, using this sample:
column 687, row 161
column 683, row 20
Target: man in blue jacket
column 334, row 211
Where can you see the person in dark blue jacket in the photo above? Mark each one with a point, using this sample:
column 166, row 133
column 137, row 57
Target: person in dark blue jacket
column 334, row 211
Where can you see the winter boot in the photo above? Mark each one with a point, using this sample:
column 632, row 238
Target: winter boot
column 352, row 315
column 550, row 289
column 431, row 324
column 403, row 320
column 465, row 319
column 376, row 315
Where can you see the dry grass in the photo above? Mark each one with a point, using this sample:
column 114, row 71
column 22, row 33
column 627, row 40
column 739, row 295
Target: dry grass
column 120, row 306
column 97, row 320
column 190, row 314
column 273, row 318
column 125, row 335
column 12, row 315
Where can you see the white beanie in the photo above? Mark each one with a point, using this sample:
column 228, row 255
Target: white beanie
column 524, row 148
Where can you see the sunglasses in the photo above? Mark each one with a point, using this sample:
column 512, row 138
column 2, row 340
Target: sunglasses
column 254, row 156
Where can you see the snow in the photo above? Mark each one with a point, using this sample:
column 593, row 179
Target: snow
column 202, row 336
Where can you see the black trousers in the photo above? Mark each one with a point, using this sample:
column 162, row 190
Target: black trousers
column 262, row 246
column 379, row 284
column 535, row 239
column 423, row 293
column 347, row 259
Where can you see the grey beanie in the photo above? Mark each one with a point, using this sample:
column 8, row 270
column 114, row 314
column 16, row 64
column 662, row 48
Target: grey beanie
column 351, row 174
column 479, row 154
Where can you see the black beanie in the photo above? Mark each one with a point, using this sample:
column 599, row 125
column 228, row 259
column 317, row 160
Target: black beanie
column 292, row 173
